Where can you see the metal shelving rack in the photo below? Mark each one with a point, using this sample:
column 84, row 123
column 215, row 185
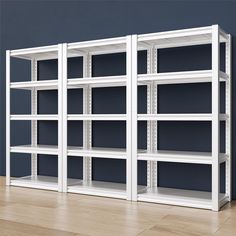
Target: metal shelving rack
column 206, row 35
column 130, row 45
column 87, row 185
column 34, row 55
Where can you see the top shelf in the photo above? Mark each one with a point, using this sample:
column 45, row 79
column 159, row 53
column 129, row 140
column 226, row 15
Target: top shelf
column 174, row 38
column 77, row 49
column 180, row 38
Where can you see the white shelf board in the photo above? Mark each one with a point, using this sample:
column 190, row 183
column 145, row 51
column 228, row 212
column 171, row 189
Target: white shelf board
column 200, row 76
column 179, row 197
column 179, row 38
column 39, row 149
column 100, row 188
column 101, row 46
column 109, row 117
column 34, row 117
column 116, row 81
column 42, row 53
column 113, row 153
column 104, row 81
column 179, row 156
column 39, row 85
column 179, row 117
column 39, row 182
column 38, row 53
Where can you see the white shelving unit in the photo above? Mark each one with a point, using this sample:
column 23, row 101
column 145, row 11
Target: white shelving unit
column 87, row 185
column 131, row 80
column 208, row 35
column 33, row 55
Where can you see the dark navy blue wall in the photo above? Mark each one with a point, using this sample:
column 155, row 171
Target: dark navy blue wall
column 38, row 23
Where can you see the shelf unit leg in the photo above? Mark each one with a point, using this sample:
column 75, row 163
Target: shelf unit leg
column 129, row 117
column 87, row 125
column 8, row 174
column 34, row 123
column 64, row 118
column 134, row 102
column 215, row 118
column 152, row 125
column 228, row 121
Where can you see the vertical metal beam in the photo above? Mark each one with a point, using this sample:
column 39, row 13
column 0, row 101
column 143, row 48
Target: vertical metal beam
column 34, row 123
column 228, row 121
column 215, row 118
column 64, row 117
column 87, row 125
column 129, row 117
column 8, row 108
column 134, row 102
column 152, row 125
column 60, row 117
column 149, row 123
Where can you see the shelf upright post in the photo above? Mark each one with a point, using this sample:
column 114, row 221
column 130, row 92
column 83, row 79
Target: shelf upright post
column 60, row 117
column 129, row 116
column 87, row 124
column 8, row 140
column 134, row 119
column 228, row 121
column 64, row 117
column 34, row 123
column 152, row 125
column 215, row 118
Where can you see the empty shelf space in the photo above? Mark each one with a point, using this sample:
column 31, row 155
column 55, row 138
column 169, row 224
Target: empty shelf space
column 114, row 153
column 105, row 81
column 180, row 117
column 179, row 156
column 100, row 188
column 179, row 197
column 199, row 76
column 34, row 117
column 39, row 53
column 179, row 38
column 97, row 117
column 39, row 149
column 39, row 85
column 39, row 182
column 100, row 46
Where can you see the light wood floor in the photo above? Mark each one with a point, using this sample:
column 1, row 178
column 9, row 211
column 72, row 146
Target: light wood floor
column 27, row 212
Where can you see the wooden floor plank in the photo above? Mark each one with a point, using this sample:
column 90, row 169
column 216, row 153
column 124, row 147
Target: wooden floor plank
column 19, row 229
column 25, row 212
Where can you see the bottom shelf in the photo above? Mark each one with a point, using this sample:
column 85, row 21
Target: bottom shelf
column 39, row 182
column 100, row 188
column 179, row 197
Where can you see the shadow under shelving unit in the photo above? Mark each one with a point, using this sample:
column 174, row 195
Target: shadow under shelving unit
column 130, row 45
column 190, row 37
